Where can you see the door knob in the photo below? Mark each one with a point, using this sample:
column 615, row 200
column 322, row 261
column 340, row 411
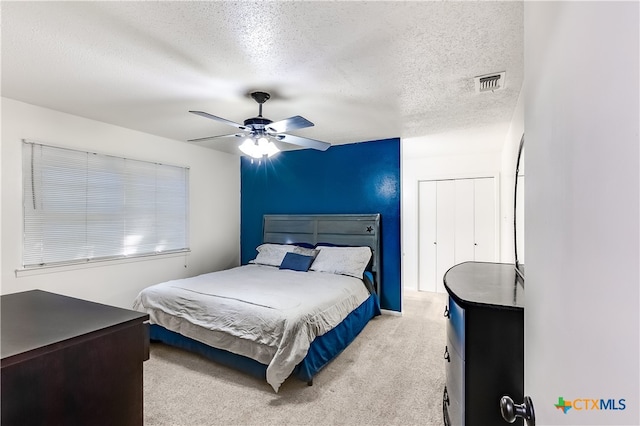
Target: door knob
column 510, row 410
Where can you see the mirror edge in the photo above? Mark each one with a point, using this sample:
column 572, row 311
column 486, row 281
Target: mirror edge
column 518, row 267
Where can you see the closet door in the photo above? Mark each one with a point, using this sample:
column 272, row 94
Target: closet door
column 484, row 220
column 457, row 223
column 445, row 229
column 464, row 221
column 427, row 236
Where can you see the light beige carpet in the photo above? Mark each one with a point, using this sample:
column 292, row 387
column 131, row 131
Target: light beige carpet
column 392, row 374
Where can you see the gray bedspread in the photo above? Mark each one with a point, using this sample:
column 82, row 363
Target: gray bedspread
column 261, row 312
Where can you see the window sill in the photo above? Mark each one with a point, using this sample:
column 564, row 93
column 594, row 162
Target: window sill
column 49, row 269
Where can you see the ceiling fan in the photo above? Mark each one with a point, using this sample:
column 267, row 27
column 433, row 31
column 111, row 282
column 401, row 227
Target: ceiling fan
column 260, row 132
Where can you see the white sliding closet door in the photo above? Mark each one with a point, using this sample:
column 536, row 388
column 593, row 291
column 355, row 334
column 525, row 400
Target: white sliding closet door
column 464, row 221
column 485, row 220
column 427, row 236
column 445, row 229
column 457, row 223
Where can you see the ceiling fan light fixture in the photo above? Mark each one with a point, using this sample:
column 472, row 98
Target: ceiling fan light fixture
column 271, row 149
column 264, row 132
column 259, row 148
column 248, row 147
column 267, row 147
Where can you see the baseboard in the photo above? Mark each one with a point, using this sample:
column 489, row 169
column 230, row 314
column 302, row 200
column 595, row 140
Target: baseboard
column 388, row 312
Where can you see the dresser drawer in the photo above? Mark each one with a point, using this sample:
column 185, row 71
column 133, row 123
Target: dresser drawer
column 456, row 327
column 455, row 382
column 455, row 410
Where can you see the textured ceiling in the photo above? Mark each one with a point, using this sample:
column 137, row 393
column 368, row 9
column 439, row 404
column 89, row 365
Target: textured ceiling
column 359, row 70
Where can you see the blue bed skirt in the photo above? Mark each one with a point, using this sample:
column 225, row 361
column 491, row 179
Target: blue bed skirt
column 323, row 349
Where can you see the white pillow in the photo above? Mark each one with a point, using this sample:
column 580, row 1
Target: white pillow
column 350, row 261
column 273, row 254
column 306, row 251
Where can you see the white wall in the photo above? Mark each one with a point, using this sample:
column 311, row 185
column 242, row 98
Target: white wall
column 214, row 205
column 457, row 154
column 582, row 209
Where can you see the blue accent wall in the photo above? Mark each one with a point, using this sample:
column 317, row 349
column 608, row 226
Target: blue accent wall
column 353, row 178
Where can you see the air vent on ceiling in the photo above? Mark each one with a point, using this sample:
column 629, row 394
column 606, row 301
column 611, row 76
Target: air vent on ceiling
column 489, row 82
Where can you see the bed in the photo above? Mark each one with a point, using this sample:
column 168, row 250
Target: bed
column 311, row 289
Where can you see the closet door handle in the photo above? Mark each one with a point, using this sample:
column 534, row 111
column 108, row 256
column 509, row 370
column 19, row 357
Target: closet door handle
column 446, row 312
column 446, row 354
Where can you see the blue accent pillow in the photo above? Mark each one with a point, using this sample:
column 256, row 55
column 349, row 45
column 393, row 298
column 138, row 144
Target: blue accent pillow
column 296, row 262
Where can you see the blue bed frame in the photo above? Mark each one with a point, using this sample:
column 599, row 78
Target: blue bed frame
column 353, row 230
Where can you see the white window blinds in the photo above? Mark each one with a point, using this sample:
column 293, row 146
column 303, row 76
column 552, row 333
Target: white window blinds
column 81, row 206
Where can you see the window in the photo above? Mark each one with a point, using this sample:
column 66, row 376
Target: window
column 81, row 206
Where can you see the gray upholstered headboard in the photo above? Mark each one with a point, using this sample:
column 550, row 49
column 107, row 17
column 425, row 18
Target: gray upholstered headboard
column 340, row 229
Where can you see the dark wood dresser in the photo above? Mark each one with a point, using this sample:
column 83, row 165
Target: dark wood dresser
column 484, row 352
column 67, row 361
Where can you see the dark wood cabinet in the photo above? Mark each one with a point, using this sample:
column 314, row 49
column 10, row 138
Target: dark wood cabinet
column 484, row 352
column 67, row 361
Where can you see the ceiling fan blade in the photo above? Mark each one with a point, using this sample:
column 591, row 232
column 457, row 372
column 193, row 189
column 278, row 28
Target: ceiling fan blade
column 233, row 135
column 291, row 123
column 222, row 120
column 306, row 142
